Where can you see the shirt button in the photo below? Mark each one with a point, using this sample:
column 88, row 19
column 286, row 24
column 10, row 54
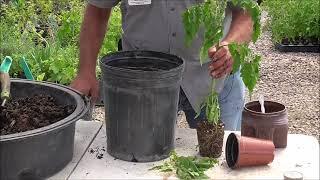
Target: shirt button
column 174, row 34
column 172, row 9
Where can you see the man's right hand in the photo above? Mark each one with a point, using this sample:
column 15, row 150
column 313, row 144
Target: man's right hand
column 92, row 34
column 87, row 84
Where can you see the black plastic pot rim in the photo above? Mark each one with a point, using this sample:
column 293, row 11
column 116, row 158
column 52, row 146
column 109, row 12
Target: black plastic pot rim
column 263, row 114
column 57, row 125
column 118, row 69
column 231, row 140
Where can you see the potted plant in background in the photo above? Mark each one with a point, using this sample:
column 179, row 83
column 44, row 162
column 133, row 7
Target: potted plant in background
column 294, row 25
column 210, row 15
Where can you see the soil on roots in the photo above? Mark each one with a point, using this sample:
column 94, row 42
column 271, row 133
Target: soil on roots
column 210, row 139
column 31, row 113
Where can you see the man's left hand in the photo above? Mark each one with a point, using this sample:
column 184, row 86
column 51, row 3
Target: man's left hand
column 221, row 60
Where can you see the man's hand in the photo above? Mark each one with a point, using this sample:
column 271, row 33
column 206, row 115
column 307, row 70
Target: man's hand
column 92, row 33
column 88, row 85
column 240, row 31
column 221, row 60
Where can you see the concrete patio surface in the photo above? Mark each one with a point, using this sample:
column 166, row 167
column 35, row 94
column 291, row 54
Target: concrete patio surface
column 91, row 161
column 85, row 133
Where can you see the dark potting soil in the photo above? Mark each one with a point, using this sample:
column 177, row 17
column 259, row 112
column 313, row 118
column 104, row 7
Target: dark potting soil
column 210, row 139
column 99, row 152
column 31, row 113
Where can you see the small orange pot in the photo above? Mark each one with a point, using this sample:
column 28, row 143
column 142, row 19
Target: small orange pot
column 247, row 151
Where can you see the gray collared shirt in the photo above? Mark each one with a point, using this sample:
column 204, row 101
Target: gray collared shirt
column 158, row 26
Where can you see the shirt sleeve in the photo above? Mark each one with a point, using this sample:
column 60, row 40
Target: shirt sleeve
column 232, row 7
column 104, row 3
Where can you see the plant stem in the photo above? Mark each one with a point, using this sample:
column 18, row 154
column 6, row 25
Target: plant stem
column 213, row 85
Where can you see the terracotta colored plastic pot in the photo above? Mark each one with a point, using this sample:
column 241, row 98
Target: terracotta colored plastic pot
column 247, row 151
column 272, row 125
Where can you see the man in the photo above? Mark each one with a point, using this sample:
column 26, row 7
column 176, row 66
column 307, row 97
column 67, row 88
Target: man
column 157, row 25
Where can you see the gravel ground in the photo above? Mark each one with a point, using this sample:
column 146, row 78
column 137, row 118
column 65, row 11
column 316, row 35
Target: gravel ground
column 289, row 78
column 293, row 80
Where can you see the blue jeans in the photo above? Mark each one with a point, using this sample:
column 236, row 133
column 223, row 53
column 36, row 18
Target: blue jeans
column 231, row 101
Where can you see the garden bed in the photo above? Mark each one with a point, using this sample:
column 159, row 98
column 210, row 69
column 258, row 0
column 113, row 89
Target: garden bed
column 294, row 25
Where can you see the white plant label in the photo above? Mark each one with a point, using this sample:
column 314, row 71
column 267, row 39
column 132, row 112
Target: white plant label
column 139, row 2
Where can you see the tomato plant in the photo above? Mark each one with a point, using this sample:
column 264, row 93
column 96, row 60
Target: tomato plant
column 210, row 15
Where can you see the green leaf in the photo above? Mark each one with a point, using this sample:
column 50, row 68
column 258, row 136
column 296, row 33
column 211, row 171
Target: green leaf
column 233, row 48
column 187, row 168
column 40, row 77
column 166, row 167
column 250, row 73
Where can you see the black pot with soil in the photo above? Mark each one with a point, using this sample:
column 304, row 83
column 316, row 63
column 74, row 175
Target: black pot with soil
column 37, row 129
column 210, row 139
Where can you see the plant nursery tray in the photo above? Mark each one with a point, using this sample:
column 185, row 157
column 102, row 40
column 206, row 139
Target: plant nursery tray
column 298, row 48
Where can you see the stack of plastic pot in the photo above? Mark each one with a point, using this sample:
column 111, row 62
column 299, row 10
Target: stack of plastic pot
column 261, row 133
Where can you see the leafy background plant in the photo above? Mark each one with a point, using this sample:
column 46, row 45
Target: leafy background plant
column 209, row 15
column 293, row 19
column 46, row 33
column 110, row 43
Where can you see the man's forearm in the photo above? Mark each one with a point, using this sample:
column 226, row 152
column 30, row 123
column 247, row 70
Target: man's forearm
column 91, row 37
column 241, row 27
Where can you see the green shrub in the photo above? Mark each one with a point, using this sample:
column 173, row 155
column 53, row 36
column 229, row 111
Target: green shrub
column 46, row 33
column 14, row 44
column 53, row 63
column 293, row 19
column 113, row 35
column 110, row 43
column 70, row 23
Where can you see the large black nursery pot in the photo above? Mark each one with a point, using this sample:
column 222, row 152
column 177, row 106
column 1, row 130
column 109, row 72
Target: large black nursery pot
column 141, row 92
column 41, row 152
